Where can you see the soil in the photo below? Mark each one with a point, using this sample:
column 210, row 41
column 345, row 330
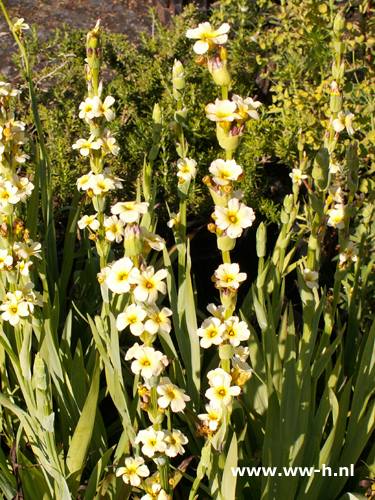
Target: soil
column 129, row 17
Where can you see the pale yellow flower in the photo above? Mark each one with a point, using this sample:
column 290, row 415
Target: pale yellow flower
column 114, row 229
column 222, row 111
column 175, row 441
column 171, row 395
column 186, row 169
column 132, row 317
column 118, row 279
column 224, row 171
column 247, row 107
column 148, row 362
column 102, row 108
column 155, row 492
column 337, row 217
column 235, row 331
column 153, row 441
column 310, row 278
column 229, row 276
column 14, row 308
column 350, row 253
column 211, row 332
column 129, row 211
column 212, row 418
column 234, row 218
column 208, row 38
column 158, row 320
column 89, row 221
column 344, row 120
column 18, row 24
column 149, row 284
column 134, row 471
column 221, row 393
column 6, row 260
column 86, row 146
column 297, row 176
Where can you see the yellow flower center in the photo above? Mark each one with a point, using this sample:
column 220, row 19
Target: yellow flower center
column 233, row 219
column 122, row 276
column 173, row 440
column 149, row 285
column 14, row 309
column 146, row 362
column 153, row 442
column 231, row 333
column 171, row 395
column 212, row 334
column 222, row 392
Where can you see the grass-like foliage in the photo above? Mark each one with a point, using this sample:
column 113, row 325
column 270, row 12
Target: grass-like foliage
column 279, row 374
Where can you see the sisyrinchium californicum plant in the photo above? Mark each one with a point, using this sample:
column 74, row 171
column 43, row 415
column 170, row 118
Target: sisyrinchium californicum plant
column 284, row 379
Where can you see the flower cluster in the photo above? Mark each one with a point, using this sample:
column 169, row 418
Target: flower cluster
column 218, row 331
column 230, row 216
column 17, row 247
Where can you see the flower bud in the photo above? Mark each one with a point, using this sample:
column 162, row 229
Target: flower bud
column 261, row 240
column 226, row 351
column 40, row 373
column 226, row 140
column 133, row 241
column 156, row 123
column 219, row 71
column 200, row 61
column 178, row 75
column 223, row 53
column 336, row 98
column 352, row 157
column 93, row 46
column 226, row 244
column 339, row 24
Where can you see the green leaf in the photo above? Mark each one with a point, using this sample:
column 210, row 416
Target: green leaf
column 96, row 475
column 81, row 439
column 229, row 480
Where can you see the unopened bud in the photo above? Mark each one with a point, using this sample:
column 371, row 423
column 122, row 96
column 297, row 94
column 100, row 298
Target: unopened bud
column 352, row 159
column 200, row 61
column 227, row 189
column 207, row 180
column 261, row 240
column 211, row 227
column 339, row 24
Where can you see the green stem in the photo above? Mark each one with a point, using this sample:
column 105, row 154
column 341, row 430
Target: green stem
column 224, row 92
column 181, row 254
column 226, row 256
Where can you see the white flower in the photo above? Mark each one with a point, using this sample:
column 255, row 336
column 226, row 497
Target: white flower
column 18, row 24
column 129, row 211
column 14, row 308
column 101, row 184
column 90, row 221
column 84, row 181
column 153, row 441
column 310, row 278
column 114, row 229
column 297, row 176
column 222, row 111
column 171, row 395
column 108, row 144
column 335, row 167
column 211, row 332
column 235, row 331
column 8, row 194
column 87, row 110
column 21, row 157
column 5, row 259
column 175, row 440
column 119, row 276
column 344, row 120
column 86, row 145
column 149, row 284
column 158, row 320
column 148, row 362
column 186, row 169
column 234, row 218
column 217, row 372
column 241, row 353
column 224, row 171
column 247, row 107
column 218, row 311
column 152, row 240
column 131, row 352
column 350, row 253
column 132, row 317
column 103, row 108
column 208, row 38
column 337, row 217
column 26, row 250
column 155, row 492
column 221, row 393
column 133, row 471
column 212, row 418
column 335, row 192
column 228, row 276
column 174, row 221
column 6, row 90
column 23, row 185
